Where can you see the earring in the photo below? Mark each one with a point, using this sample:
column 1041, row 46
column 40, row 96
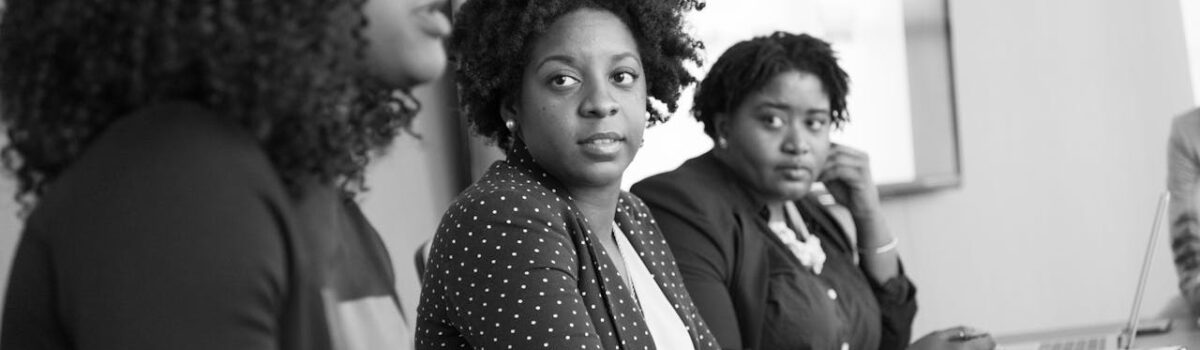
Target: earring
column 510, row 124
column 722, row 143
column 643, row 144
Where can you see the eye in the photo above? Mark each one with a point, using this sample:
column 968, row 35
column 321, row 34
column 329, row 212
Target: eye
column 772, row 121
column 817, row 123
column 624, row 78
column 563, row 81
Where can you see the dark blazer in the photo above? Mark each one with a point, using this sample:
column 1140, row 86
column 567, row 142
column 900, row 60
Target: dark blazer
column 514, row 266
column 752, row 291
column 174, row 231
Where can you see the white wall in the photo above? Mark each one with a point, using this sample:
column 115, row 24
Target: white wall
column 1064, row 108
column 1191, row 28
column 411, row 186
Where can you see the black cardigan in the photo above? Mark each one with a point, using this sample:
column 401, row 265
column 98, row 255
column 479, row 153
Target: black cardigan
column 750, row 289
column 174, row 231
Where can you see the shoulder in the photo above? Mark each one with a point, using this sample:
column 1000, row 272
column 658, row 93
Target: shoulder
column 172, row 145
column 696, row 187
column 1187, row 126
column 509, row 202
column 636, row 210
column 166, row 206
column 166, row 165
column 511, row 191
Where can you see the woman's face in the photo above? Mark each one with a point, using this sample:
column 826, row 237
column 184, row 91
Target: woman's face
column 405, row 40
column 778, row 137
column 581, row 109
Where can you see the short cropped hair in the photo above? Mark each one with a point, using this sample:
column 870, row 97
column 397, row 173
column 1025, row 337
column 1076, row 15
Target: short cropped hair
column 493, row 38
column 748, row 66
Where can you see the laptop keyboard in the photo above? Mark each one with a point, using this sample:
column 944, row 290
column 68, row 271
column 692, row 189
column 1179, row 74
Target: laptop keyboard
column 1075, row 344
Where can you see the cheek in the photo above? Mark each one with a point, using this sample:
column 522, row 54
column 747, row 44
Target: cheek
column 755, row 154
column 760, row 147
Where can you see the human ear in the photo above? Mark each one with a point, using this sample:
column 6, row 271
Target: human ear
column 508, row 110
column 720, row 129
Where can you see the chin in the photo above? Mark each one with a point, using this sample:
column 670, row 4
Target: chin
column 794, row 191
column 600, row 175
column 418, row 77
column 407, row 74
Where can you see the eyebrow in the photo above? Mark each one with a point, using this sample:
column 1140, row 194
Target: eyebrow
column 625, row 55
column 775, row 105
column 786, row 107
column 552, row 58
column 571, row 60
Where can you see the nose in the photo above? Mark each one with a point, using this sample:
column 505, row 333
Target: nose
column 438, row 25
column 796, row 140
column 598, row 103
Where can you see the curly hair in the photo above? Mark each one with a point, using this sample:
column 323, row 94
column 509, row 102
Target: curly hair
column 750, row 65
column 281, row 69
column 492, row 42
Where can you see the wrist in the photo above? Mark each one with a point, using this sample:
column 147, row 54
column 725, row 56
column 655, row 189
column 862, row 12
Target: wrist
column 879, row 248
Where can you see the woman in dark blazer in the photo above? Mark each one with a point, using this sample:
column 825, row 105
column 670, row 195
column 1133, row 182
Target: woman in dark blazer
column 190, row 170
column 767, row 264
column 546, row 251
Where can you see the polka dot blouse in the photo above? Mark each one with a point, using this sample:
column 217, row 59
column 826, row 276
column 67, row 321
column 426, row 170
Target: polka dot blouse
column 514, row 266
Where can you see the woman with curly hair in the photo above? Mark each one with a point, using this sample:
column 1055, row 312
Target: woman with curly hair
column 545, row 251
column 188, row 169
column 768, row 264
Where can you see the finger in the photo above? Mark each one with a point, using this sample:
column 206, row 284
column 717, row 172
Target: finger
column 845, row 173
column 847, row 158
column 843, row 149
column 848, row 171
column 848, row 161
column 954, row 332
column 981, row 343
column 840, row 148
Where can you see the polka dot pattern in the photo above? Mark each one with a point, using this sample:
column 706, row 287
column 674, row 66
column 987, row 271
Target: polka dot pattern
column 514, row 266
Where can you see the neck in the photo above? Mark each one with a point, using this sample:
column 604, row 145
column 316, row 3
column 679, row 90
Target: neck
column 598, row 204
column 776, row 212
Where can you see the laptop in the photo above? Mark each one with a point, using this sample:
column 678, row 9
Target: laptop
column 1122, row 340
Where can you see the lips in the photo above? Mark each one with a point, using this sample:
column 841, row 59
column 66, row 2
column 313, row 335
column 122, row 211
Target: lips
column 795, row 172
column 602, row 146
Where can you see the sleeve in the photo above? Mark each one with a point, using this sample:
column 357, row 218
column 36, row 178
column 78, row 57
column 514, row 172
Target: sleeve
column 1182, row 176
column 897, row 299
column 690, row 233
column 511, row 274
column 163, row 266
column 27, row 324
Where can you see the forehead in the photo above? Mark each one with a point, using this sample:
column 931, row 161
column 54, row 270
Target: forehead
column 791, row 89
column 585, row 32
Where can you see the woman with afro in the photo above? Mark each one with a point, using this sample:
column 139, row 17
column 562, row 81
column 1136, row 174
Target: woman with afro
column 188, row 169
column 545, row 251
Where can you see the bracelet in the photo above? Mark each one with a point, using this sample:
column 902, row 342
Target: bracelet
column 890, row 246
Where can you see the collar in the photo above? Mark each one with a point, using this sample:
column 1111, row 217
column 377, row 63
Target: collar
column 518, row 157
column 741, row 195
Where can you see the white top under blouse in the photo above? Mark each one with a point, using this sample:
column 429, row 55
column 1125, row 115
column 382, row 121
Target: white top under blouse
column 664, row 323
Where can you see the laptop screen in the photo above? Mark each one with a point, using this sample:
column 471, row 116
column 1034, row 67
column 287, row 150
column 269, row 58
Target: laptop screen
column 1130, row 332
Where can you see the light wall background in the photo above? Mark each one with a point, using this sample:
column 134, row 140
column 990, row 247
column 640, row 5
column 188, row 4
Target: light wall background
column 1064, row 108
